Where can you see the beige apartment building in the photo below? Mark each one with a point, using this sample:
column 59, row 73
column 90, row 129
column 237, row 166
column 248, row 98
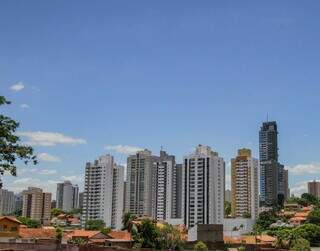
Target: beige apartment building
column 314, row 188
column 244, row 186
column 37, row 205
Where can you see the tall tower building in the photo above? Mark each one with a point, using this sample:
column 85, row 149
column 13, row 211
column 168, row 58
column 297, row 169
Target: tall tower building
column 7, row 202
column 204, row 186
column 167, row 188
column 245, row 191
column 103, row 192
column 67, row 197
column 139, row 190
column 37, row 205
column 314, row 188
column 286, row 185
column 271, row 172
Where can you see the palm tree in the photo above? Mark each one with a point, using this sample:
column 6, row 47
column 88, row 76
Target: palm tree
column 127, row 220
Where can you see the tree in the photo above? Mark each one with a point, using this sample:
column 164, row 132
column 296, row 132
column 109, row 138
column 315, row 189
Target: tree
column 300, row 244
column 314, row 217
column 95, row 224
column 105, row 230
column 200, row 246
column 169, row 238
column 59, row 235
column 10, row 147
column 127, row 219
column 56, row 211
column 148, row 233
column 266, row 219
column 30, row 223
column 78, row 241
column 227, row 208
column 309, row 198
column 310, row 232
column 246, row 215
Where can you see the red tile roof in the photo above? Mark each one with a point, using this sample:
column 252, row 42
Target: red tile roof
column 120, row 235
column 37, row 233
column 82, row 233
column 11, row 218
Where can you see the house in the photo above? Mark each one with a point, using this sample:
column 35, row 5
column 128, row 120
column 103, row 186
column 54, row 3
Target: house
column 9, row 226
column 90, row 236
column 121, row 239
column 36, row 234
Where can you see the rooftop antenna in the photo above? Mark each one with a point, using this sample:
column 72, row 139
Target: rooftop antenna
column 161, row 148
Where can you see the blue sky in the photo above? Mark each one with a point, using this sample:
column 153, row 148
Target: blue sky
column 141, row 74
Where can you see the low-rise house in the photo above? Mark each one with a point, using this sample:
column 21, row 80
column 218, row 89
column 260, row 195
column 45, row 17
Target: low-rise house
column 68, row 221
column 37, row 234
column 121, row 239
column 90, row 236
column 9, row 227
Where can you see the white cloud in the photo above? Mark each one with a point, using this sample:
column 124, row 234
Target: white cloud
column 73, row 178
column 312, row 168
column 24, row 106
column 123, row 149
column 36, row 171
column 299, row 188
column 17, row 87
column 48, row 157
column 49, row 139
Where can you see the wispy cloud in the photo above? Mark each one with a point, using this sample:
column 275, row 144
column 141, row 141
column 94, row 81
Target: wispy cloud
column 36, row 171
column 73, row 178
column 24, row 106
column 124, row 149
column 49, row 139
column 312, row 168
column 48, row 157
column 19, row 86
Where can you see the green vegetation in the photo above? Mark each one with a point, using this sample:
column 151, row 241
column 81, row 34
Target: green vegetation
column 227, row 208
column 95, row 225
column 300, row 245
column 56, row 211
column 10, row 149
column 266, row 219
column 314, row 217
column 30, row 223
column 105, row 230
column 78, row 241
column 200, row 246
column 127, row 220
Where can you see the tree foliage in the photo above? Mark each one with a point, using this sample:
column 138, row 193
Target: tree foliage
column 127, row 219
column 30, row 223
column 300, row 244
column 200, row 246
column 10, row 147
column 95, row 224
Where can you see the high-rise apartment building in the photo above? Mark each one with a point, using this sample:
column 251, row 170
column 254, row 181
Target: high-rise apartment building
column 67, row 197
column 271, row 172
column 103, row 192
column 37, row 205
column 314, row 188
column 244, row 185
column 167, row 188
column 204, row 187
column 81, row 200
column 286, row 184
column 7, row 202
column 139, row 190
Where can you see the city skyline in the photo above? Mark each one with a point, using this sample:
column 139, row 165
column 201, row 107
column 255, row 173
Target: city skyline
column 77, row 89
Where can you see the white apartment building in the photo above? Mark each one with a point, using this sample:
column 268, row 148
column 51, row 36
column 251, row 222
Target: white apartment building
column 103, row 187
column 67, row 197
column 244, row 184
column 204, row 186
column 139, row 186
column 7, row 202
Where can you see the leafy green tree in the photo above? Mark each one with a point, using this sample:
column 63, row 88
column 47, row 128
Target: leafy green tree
column 95, row 224
column 310, row 232
column 78, row 241
column 75, row 211
column 10, row 147
column 227, row 208
column 169, row 238
column 309, row 198
column 246, row 215
column 127, row 219
column 266, row 219
column 56, row 211
column 148, row 233
column 314, row 217
column 200, row 246
column 30, row 223
column 105, row 230
column 300, row 244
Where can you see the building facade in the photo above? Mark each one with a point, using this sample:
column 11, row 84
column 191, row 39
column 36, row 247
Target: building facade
column 244, row 185
column 204, row 187
column 271, row 172
column 314, row 188
column 139, row 187
column 37, row 205
column 103, row 187
column 67, row 197
column 7, row 202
